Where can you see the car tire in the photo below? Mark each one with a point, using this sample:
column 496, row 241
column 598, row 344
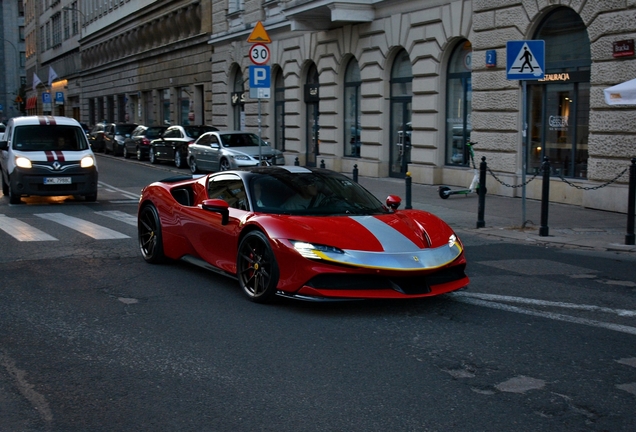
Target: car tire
column 139, row 155
column 256, row 267
column 194, row 169
column 149, row 235
column 224, row 165
column 178, row 159
column 91, row 197
column 125, row 152
column 14, row 198
column 5, row 186
column 152, row 156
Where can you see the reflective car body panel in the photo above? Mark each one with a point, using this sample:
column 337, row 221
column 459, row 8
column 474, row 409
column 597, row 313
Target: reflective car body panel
column 350, row 249
column 223, row 150
column 176, row 139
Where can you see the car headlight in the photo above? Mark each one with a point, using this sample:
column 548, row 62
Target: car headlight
column 23, row 162
column 452, row 240
column 314, row 251
column 87, row 162
column 241, row 157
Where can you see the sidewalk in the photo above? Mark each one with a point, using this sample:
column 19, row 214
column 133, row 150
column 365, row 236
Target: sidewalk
column 568, row 226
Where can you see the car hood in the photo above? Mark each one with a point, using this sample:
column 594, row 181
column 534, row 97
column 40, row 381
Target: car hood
column 404, row 240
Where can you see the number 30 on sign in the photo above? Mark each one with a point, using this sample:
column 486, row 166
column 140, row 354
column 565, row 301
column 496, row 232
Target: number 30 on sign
column 259, row 54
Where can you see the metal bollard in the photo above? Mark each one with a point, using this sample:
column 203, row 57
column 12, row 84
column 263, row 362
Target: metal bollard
column 355, row 173
column 296, row 161
column 408, row 182
column 631, row 204
column 481, row 206
column 322, row 163
column 545, row 197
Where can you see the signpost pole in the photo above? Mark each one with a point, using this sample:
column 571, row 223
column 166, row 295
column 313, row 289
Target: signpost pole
column 259, row 79
column 524, row 147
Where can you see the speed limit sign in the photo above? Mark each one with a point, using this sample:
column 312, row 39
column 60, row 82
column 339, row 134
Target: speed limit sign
column 259, row 54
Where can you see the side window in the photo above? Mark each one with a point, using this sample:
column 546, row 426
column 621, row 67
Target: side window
column 230, row 189
column 204, row 140
column 214, row 140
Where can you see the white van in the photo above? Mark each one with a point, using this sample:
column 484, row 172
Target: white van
column 48, row 156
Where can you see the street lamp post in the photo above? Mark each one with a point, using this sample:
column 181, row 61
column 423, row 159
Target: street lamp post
column 69, row 8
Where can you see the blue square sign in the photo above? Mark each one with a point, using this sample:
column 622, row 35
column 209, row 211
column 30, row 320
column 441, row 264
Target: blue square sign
column 525, row 60
column 260, row 77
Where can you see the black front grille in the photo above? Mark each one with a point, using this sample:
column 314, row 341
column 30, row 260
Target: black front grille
column 420, row 284
column 74, row 187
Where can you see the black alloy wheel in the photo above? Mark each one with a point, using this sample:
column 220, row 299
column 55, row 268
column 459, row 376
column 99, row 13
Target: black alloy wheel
column 150, row 239
column 126, row 154
column 256, row 267
column 152, row 156
column 178, row 159
column 139, row 155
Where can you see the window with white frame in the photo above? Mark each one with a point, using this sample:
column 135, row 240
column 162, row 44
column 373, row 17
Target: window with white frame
column 56, row 24
column 234, row 6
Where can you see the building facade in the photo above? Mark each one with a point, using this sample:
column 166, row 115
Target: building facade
column 388, row 86
column 12, row 59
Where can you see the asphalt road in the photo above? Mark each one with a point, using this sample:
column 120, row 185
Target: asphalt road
column 94, row 339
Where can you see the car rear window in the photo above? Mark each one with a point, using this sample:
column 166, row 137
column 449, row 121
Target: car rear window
column 124, row 129
column 49, row 137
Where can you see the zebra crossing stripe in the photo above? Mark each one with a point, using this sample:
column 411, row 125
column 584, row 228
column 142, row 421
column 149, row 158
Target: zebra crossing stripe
column 120, row 216
column 88, row 228
column 22, row 231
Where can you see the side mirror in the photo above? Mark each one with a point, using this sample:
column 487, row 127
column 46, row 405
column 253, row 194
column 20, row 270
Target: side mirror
column 393, row 202
column 218, row 206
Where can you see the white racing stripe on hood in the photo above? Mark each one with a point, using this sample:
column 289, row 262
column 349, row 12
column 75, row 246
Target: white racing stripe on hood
column 391, row 239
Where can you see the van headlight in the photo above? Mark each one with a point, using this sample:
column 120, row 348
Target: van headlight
column 23, row 162
column 87, row 162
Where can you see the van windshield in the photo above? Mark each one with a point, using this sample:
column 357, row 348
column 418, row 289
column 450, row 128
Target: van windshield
column 49, row 138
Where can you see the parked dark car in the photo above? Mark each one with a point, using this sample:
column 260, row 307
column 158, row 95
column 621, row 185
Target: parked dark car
column 96, row 137
column 138, row 143
column 114, row 136
column 172, row 146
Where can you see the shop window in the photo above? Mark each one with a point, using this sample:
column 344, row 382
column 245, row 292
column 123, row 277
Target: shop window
column 352, row 110
column 458, row 105
column 559, row 105
column 279, row 108
column 401, row 110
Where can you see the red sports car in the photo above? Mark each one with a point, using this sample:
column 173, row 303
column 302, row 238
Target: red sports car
column 299, row 232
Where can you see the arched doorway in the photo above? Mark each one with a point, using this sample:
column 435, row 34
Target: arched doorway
column 559, row 105
column 401, row 109
column 312, row 100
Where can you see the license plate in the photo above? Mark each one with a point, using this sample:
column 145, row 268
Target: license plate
column 57, row 180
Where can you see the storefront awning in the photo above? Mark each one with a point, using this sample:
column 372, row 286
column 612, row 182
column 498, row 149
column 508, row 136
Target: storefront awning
column 31, row 102
column 621, row 94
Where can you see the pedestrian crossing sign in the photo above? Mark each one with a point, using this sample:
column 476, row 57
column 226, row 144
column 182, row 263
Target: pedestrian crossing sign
column 525, row 60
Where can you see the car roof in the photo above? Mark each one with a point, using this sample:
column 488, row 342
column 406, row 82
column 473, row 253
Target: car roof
column 45, row 121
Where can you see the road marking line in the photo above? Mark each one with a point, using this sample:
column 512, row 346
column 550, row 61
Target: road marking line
column 22, row 231
column 126, row 193
column 120, row 216
column 548, row 315
column 523, row 300
column 88, row 228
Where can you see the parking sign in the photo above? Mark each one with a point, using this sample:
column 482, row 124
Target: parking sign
column 260, row 77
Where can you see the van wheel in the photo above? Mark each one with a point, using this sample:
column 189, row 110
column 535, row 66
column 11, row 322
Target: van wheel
column 5, row 187
column 13, row 197
column 91, row 197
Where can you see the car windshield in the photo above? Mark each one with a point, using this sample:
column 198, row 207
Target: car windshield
column 240, row 140
column 319, row 193
column 49, row 138
column 196, row 131
column 124, row 129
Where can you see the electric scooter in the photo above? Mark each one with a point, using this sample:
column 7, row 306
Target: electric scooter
column 445, row 191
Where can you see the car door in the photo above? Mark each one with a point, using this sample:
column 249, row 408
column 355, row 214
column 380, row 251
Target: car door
column 212, row 152
column 163, row 145
column 197, row 151
column 215, row 242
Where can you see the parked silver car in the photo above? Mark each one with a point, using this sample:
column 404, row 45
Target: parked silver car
column 223, row 150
